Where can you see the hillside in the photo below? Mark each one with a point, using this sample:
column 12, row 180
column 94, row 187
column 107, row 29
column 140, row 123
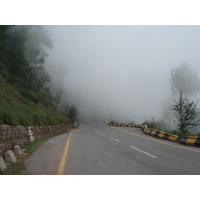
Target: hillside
column 19, row 106
column 25, row 98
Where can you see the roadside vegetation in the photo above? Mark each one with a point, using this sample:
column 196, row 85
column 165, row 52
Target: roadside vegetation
column 19, row 167
column 181, row 115
column 180, row 112
column 25, row 98
column 162, row 126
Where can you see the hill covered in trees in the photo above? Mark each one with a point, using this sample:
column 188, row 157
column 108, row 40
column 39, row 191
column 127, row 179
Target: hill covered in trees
column 25, row 98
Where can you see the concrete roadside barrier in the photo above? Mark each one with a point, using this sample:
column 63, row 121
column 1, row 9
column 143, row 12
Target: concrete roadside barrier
column 146, row 130
column 190, row 141
column 156, row 134
column 17, row 150
column 149, row 132
column 153, row 133
column 173, row 138
column 186, row 140
column 197, row 143
column 140, row 126
column 166, row 136
column 2, row 164
column 131, row 124
column 137, row 125
column 162, row 135
column 183, row 140
column 10, row 157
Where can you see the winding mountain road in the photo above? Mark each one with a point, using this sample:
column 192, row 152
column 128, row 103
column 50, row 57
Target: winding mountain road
column 98, row 149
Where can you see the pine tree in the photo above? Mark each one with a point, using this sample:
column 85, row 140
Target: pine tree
column 186, row 113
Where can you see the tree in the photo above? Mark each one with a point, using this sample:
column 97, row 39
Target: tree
column 186, row 113
column 185, row 79
column 71, row 112
column 22, row 52
column 37, row 38
column 57, row 96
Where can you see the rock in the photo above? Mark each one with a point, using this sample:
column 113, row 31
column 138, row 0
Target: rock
column 10, row 157
column 17, row 150
column 2, row 164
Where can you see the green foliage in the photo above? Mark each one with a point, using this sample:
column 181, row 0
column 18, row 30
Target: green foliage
column 57, row 96
column 152, row 124
column 14, row 169
column 71, row 112
column 24, row 97
column 179, row 133
column 186, row 113
column 23, row 55
column 19, row 167
column 21, row 107
column 185, row 79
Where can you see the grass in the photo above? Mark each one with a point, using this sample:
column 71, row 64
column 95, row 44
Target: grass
column 155, row 126
column 25, row 107
column 19, row 167
column 19, row 106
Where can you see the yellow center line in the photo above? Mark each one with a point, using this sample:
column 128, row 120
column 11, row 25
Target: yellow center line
column 61, row 168
column 156, row 140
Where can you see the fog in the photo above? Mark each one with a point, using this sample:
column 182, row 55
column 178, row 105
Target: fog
column 120, row 73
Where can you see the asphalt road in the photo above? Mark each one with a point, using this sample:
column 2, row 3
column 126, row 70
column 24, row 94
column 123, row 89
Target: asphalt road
column 99, row 149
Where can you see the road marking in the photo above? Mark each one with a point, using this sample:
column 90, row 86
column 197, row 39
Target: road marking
column 156, row 140
column 143, row 152
column 102, row 134
column 114, row 139
column 95, row 128
column 61, row 168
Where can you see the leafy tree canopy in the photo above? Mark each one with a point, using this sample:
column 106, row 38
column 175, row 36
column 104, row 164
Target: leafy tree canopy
column 22, row 52
column 184, row 79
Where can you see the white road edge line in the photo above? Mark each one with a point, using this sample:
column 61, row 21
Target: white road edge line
column 95, row 128
column 102, row 134
column 143, row 152
column 114, row 139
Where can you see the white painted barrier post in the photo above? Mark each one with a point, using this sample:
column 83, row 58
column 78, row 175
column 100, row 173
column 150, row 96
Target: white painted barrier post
column 2, row 164
column 30, row 134
column 10, row 157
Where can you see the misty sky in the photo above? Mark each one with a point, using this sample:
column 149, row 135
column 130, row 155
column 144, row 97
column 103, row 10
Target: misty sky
column 120, row 72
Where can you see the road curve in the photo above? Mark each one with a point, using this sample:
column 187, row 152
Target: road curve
column 99, row 149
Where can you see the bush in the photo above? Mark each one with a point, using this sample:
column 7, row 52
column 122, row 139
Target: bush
column 21, row 107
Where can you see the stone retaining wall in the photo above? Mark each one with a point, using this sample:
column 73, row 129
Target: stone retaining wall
column 19, row 135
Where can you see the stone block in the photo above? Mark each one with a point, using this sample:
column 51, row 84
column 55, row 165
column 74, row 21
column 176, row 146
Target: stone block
column 2, row 164
column 10, row 157
column 17, row 150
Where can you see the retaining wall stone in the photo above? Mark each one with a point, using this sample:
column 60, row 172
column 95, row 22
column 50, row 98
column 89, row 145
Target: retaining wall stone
column 2, row 164
column 17, row 150
column 10, row 136
column 10, row 157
